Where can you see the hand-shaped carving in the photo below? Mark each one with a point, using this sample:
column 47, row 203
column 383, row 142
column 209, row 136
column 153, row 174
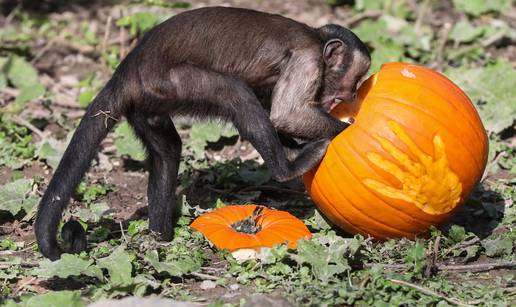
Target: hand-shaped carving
column 428, row 183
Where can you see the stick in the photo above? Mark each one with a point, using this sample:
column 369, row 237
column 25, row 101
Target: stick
column 480, row 267
column 122, row 37
column 106, row 34
column 353, row 21
column 432, row 260
column 429, row 292
column 122, row 231
column 439, row 58
column 20, row 121
column 483, row 44
column 420, row 15
column 204, row 276
column 106, row 116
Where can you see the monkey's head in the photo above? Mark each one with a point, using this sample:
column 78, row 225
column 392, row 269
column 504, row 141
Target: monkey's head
column 346, row 61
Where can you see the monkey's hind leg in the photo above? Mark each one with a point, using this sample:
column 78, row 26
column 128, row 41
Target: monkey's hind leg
column 163, row 145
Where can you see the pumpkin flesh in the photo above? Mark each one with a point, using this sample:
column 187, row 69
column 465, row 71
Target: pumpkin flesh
column 227, row 228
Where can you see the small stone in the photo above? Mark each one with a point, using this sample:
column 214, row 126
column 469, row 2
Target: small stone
column 244, row 254
column 208, row 284
column 234, row 287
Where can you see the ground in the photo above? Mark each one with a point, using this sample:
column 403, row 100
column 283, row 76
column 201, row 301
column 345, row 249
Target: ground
column 56, row 55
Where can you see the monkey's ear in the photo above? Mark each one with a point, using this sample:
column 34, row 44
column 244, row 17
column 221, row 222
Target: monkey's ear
column 333, row 52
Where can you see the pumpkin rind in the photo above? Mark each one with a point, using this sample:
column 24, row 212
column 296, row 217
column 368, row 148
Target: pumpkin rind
column 414, row 153
column 277, row 227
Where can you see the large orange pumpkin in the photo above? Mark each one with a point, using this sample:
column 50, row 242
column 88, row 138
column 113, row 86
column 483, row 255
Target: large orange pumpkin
column 414, row 153
column 250, row 227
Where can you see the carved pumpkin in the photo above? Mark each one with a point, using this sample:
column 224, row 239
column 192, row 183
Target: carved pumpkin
column 250, row 227
column 414, row 153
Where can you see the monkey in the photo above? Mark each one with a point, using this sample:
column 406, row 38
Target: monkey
column 275, row 79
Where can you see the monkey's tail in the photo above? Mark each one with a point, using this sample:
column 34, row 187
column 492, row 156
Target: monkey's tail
column 100, row 117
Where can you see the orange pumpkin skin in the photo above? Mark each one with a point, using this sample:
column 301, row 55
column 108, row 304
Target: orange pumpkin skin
column 277, row 227
column 414, row 153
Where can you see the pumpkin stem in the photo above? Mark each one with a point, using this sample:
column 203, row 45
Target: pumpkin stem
column 250, row 224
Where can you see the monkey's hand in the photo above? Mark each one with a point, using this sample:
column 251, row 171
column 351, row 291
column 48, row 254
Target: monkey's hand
column 309, row 156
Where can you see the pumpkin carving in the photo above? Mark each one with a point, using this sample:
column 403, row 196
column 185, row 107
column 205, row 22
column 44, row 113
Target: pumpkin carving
column 250, row 227
column 414, row 153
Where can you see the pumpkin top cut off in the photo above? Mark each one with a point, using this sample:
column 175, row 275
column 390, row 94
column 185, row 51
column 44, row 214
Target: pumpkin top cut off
column 250, row 227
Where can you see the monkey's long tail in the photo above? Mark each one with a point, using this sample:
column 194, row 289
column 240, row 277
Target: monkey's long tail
column 100, row 117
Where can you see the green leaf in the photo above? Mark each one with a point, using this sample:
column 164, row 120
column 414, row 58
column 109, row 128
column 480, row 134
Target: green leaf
column 202, row 133
column 3, row 80
column 137, row 226
column 465, row 32
column 93, row 213
column 318, row 222
column 51, row 151
column 138, row 23
column 363, row 5
column 127, row 144
column 498, row 247
column 8, row 244
column 415, row 257
column 86, row 97
column 16, row 196
column 325, row 261
column 54, row 299
column 119, row 266
column 479, row 7
column 457, row 233
column 68, row 265
column 254, row 175
column 89, row 193
column 492, row 89
column 28, row 93
column 387, row 52
column 172, row 267
column 20, row 72
column 372, row 32
column 385, row 48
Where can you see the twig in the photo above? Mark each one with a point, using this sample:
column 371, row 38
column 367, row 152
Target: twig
column 204, row 276
column 432, row 258
column 6, row 265
column 106, row 116
column 439, row 58
column 429, row 292
column 480, row 267
column 420, row 15
column 84, row 49
column 67, row 103
column 353, row 21
column 122, row 37
column 42, row 51
column 475, row 240
column 122, row 231
column 483, row 44
column 11, row 15
column 393, row 267
column 20, row 121
column 106, row 34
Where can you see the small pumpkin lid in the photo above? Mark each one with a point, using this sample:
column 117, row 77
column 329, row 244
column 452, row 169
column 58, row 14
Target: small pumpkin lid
column 237, row 227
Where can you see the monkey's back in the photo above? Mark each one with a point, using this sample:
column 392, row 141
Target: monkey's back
column 248, row 44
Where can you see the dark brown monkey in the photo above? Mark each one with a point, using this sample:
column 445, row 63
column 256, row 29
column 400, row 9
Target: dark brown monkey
column 264, row 73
